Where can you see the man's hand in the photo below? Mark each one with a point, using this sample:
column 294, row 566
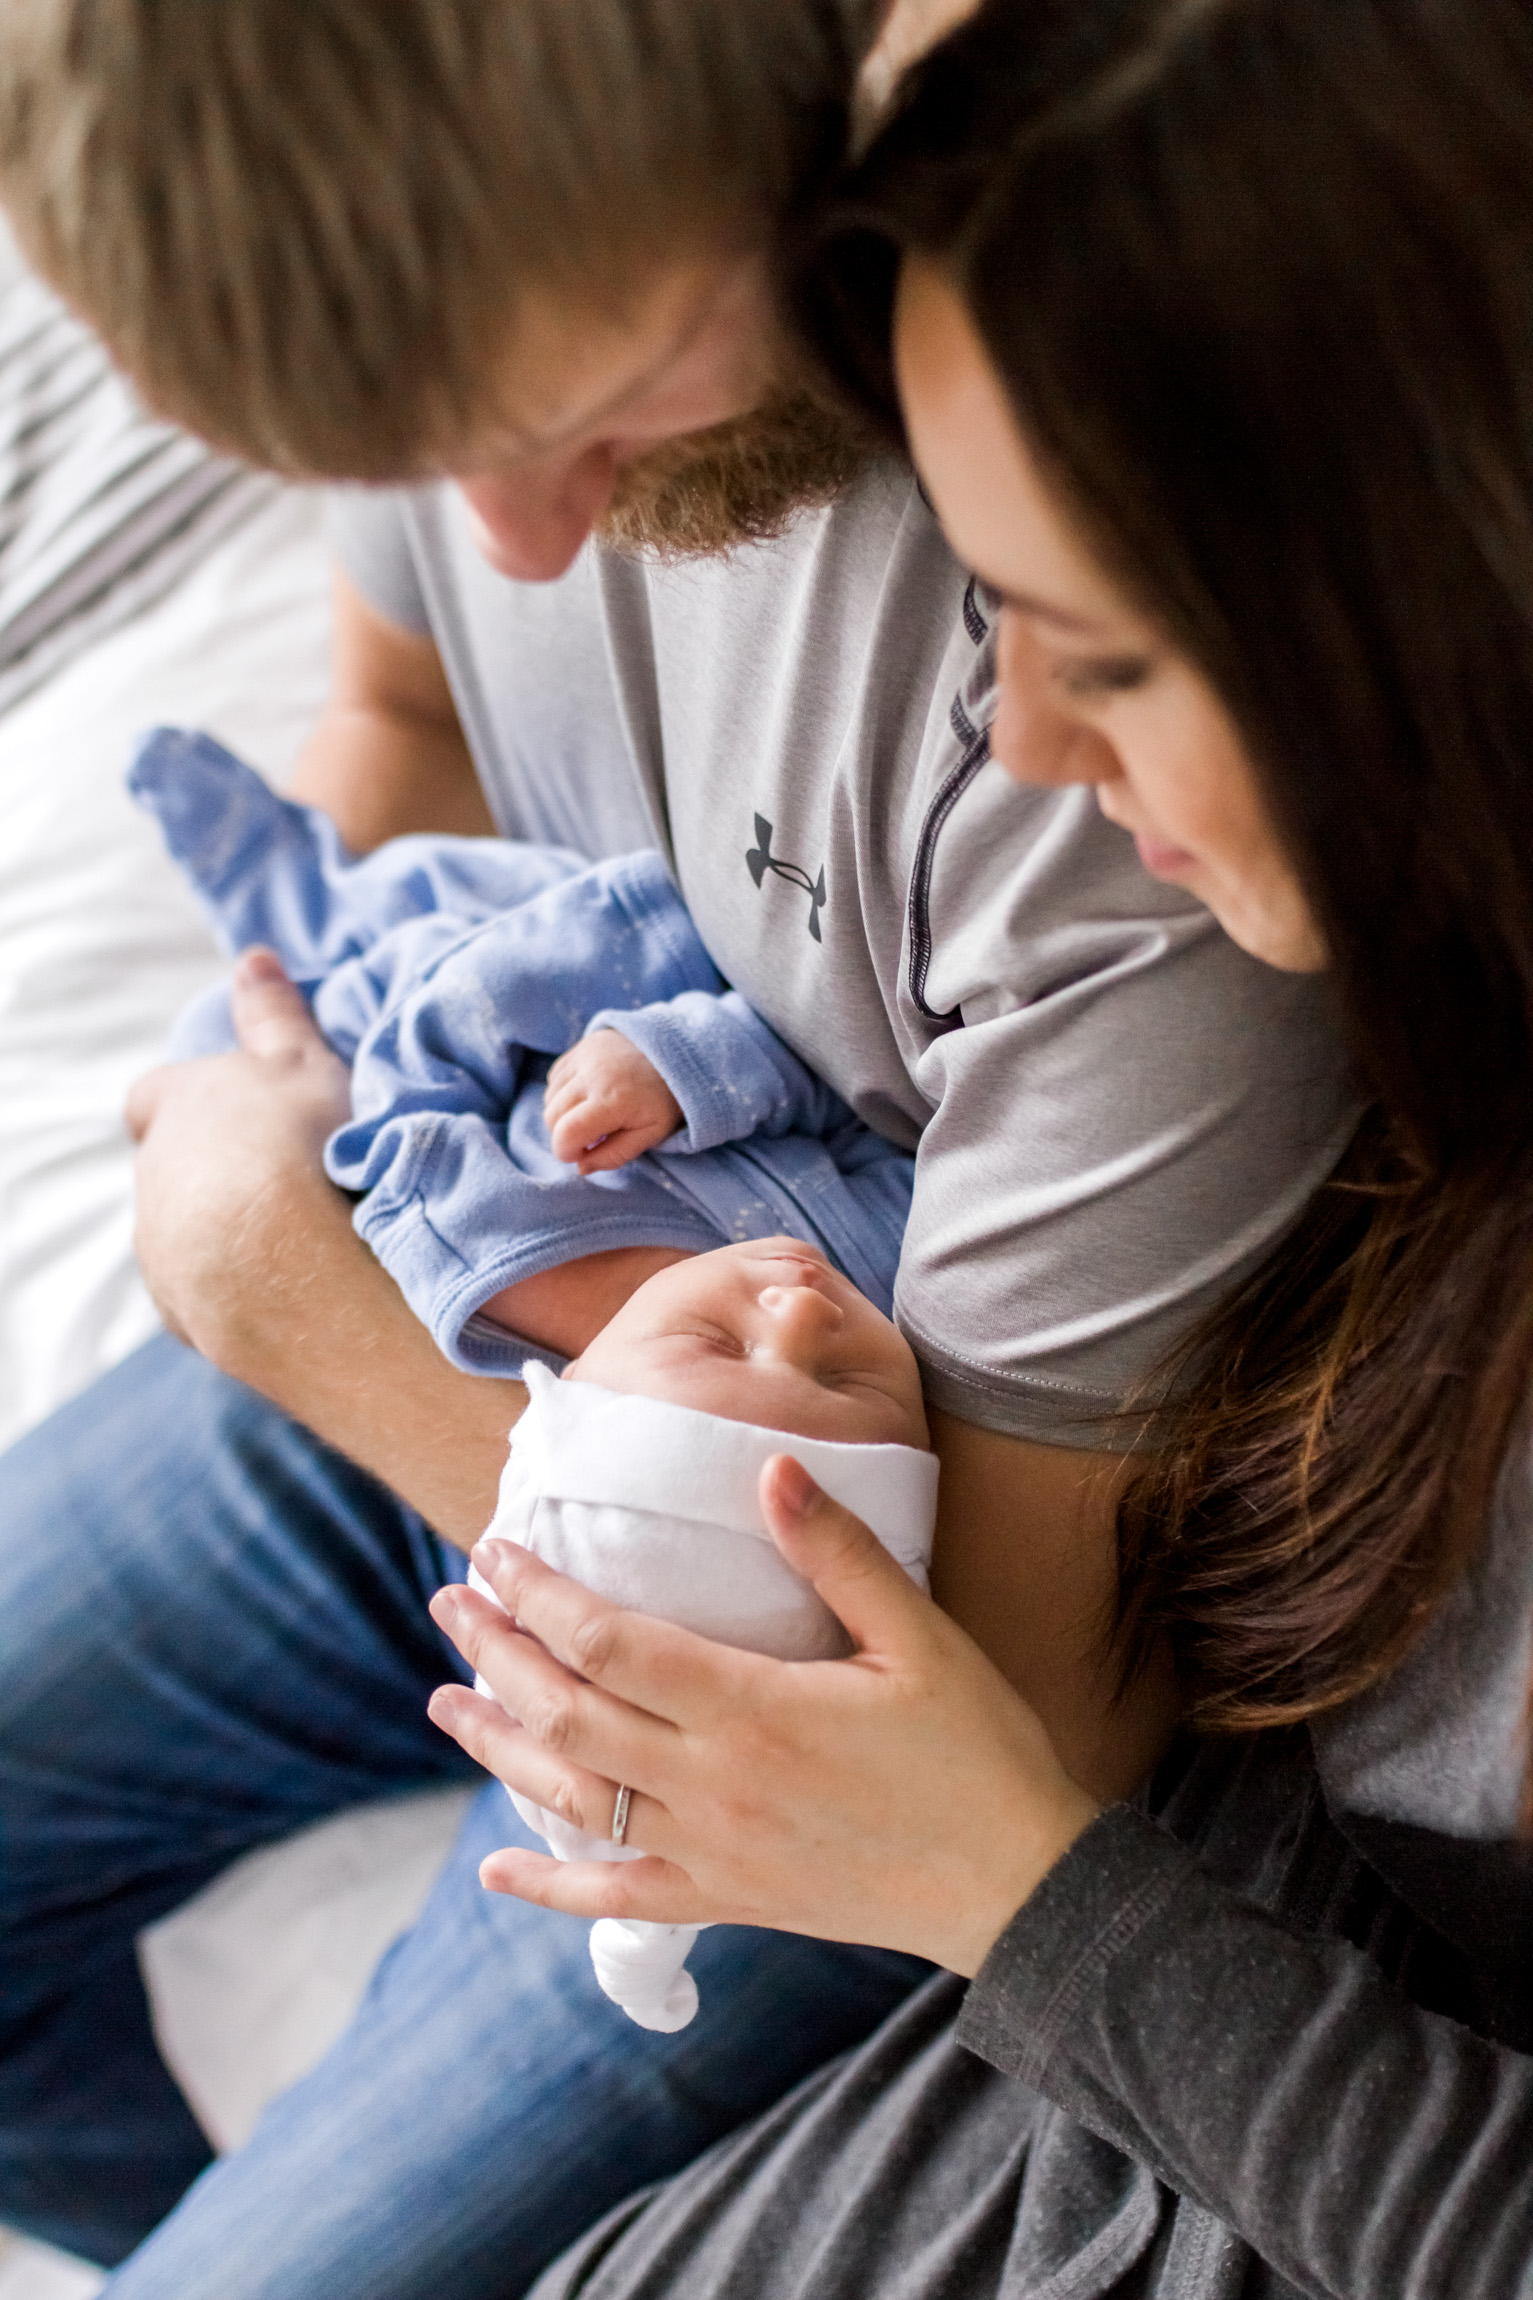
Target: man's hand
column 249, row 1252
column 215, row 1139
column 606, row 1104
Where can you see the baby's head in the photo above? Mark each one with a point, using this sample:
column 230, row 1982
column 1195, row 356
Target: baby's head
column 768, row 1333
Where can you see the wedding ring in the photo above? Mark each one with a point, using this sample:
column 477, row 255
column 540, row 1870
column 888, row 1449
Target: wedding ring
column 620, row 1816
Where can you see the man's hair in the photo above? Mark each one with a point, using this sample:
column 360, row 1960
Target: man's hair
column 305, row 227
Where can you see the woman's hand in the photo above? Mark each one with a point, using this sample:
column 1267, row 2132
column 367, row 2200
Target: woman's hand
column 905, row 1797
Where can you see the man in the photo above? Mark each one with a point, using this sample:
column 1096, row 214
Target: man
column 524, row 256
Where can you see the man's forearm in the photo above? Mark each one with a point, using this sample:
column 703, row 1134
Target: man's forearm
column 250, row 1254
column 389, row 754
column 379, row 774
column 305, row 1315
column 1026, row 1561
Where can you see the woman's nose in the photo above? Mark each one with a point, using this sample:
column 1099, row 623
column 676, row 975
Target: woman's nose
column 1034, row 736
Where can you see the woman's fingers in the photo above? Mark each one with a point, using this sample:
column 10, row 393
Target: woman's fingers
column 570, row 1720
column 666, row 1672
column 871, row 1596
column 654, row 1890
column 584, row 1799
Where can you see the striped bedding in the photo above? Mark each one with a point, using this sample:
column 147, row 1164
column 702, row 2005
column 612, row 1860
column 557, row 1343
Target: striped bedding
column 102, row 509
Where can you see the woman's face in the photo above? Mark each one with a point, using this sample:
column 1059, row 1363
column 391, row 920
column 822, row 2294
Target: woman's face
column 1090, row 692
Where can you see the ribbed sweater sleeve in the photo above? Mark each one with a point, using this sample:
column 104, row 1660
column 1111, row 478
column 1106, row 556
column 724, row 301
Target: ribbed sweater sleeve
column 1368, row 2150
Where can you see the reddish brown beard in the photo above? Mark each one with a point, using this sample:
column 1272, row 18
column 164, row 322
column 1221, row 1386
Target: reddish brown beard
column 742, row 482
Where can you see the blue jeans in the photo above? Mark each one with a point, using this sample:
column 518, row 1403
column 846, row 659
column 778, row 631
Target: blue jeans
column 214, row 1632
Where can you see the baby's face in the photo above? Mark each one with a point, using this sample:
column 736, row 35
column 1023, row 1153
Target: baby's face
column 767, row 1333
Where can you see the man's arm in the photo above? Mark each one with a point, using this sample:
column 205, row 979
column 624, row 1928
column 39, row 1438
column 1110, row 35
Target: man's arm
column 1026, row 1561
column 389, row 753
column 250, row 1255
column 246, row 1247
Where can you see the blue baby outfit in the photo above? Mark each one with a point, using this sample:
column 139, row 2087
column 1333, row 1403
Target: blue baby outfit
column 449, row 973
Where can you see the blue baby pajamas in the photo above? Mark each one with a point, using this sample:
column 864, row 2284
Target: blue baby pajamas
column 450, row 973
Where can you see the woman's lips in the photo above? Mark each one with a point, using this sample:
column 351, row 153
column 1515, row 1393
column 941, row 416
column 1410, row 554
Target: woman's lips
column 1162, row 861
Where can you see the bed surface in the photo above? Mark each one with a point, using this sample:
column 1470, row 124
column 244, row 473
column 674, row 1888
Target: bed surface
column 143, row 580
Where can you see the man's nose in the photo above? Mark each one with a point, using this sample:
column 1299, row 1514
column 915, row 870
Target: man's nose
column 531, row 519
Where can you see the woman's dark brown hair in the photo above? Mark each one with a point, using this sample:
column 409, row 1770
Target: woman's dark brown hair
column 1257, row 276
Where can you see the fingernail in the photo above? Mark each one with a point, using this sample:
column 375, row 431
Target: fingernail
column 796, row 1489
column 439, row 1707
column 444, row 1606
column 487, row 1554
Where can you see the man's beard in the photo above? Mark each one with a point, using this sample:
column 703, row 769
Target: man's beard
column 742, row 482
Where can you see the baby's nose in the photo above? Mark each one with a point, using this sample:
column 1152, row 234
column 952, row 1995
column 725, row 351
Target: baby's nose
column 801, row 1317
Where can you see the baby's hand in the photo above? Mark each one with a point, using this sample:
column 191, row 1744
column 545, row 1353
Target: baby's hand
column 606, row 1103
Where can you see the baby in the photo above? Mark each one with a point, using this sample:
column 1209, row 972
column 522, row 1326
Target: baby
column 545, row 1061
column 637, row 1476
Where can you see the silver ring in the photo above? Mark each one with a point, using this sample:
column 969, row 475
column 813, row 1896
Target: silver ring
column 620, row 1815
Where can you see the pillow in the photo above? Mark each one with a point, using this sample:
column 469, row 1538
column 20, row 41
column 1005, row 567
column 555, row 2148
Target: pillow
column 100, row 943
column 104, row 509
column 142, row 579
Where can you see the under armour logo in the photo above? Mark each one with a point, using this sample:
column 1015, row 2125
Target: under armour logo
column 760, row 859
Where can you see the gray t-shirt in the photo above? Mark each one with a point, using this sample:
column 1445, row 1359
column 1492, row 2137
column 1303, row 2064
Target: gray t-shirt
column 1115, row 1112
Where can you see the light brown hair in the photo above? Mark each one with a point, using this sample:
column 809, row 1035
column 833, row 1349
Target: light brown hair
column 304, row 226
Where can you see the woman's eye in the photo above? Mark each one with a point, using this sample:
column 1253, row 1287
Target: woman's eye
column 1099, row 675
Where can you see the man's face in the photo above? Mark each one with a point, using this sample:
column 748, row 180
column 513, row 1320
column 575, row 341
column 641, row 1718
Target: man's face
column 671, row 427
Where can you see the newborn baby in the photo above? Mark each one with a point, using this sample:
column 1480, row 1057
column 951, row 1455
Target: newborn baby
column 637, row 1473
column 546, row 1064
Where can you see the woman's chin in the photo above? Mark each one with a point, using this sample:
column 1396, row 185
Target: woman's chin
column 1291, row 944
column 1167, row 862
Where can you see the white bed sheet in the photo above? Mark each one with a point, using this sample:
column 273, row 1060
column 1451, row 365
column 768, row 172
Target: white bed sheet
column 100, row 942
column 99, row 946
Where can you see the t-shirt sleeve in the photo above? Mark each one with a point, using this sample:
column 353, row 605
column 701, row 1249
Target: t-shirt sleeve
column 1128, row 1112
column 367, row 531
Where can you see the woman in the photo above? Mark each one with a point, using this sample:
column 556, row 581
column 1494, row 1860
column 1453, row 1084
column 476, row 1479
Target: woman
column 1212, row 323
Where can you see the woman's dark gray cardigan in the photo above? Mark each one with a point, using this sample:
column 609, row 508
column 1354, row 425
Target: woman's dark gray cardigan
column 1275, row 2040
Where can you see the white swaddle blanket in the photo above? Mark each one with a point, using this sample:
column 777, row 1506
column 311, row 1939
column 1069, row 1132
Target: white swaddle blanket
column 655, row 1506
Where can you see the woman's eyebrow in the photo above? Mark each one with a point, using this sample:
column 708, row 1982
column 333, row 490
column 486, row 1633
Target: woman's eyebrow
column 1043, row 611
